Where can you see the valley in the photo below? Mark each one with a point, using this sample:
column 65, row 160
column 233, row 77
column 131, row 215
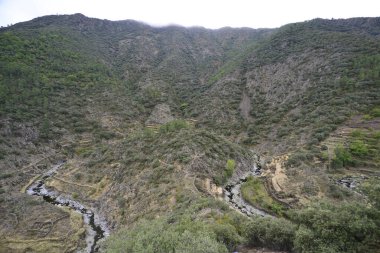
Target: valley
column 116, row 136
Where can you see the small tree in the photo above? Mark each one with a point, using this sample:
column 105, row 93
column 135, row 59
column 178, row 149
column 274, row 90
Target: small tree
column 342, row 158
column 230, row 167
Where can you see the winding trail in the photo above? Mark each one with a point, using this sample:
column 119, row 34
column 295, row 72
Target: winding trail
column 96, row 228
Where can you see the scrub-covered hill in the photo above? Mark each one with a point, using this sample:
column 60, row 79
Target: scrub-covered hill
column 149, row 125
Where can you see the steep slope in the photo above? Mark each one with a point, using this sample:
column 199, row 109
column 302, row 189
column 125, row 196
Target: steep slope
column 152, row 122
column 303, row 81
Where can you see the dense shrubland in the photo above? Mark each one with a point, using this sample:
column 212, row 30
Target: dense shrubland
column 320, row 227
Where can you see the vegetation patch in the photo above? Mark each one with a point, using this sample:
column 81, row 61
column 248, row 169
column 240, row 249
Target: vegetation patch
column 362, row 149
column 227, row 173
column 255, row 193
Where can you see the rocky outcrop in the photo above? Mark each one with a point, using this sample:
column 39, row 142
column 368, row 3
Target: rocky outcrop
column 161, row 114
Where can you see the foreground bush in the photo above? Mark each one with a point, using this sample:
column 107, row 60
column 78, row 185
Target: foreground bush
column 274, row 233
column 324, row 227
column 321, row 227
column 160, row 236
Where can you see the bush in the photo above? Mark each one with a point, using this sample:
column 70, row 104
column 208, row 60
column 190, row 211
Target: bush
column 297, row 158
column 359, row 148
column 372, row 190
column 276, row 234
column 227, row 173
column 357, row 133
column 227, row 234
column 173, row 126
column 324, row 227
column 230, row 167
column 342, row 158
column 162, row 236
column 336, row 192
column 375, row 112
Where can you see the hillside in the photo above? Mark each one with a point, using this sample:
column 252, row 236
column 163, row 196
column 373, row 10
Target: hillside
column 152, row 123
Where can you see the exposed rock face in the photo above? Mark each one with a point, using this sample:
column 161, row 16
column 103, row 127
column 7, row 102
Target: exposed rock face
column 279, row 178
column 161, row 114
column 213, row 189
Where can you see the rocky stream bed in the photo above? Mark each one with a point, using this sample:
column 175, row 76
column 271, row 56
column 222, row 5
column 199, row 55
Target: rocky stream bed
column 96, row 227
column 232, row 195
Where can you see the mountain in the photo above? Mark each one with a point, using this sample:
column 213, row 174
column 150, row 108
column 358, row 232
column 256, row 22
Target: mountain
column 152, row 123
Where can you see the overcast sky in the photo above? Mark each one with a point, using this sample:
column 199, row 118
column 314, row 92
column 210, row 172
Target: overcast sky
column 207, row 13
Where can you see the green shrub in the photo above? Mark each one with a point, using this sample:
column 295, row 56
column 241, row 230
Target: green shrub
column 342, row 158
column 372, row 189
column 230, row 167
column 336, row 192
column 163, row 236
column 184, row 106
column 276, row 234
column 358, row 148
column 367, row 117
column 148, row 133
column 227, row 234
column 325, row 227
column 375, row 112
column 297, row 158
column 173, row 126
column 357, row 133
column 227, row 173
column 254, row 192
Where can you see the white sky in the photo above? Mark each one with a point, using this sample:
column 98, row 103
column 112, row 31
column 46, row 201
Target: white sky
column 207, row 13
